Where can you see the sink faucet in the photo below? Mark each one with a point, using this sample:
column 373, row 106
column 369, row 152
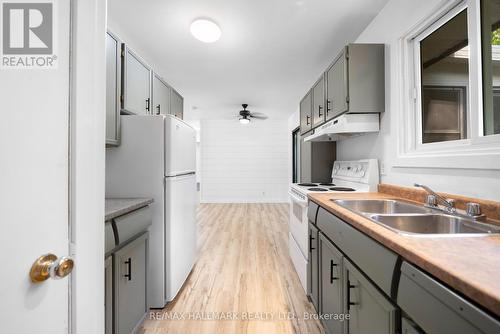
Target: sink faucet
column 433, row 196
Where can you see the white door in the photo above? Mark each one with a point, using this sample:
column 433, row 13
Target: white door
column 34, row 202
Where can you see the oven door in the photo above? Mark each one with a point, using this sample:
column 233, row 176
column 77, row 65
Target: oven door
column 299, row 222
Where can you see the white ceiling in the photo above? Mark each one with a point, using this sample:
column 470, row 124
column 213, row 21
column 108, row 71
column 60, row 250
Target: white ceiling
column 270, row 52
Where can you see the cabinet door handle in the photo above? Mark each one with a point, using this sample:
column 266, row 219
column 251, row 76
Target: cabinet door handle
column 331, row 272
column 311, row 238
column 328, row 107
column 158, row 109
column 349, row 287
column 307, row 119
column 319, row 111
column 129, row 269
column 147, row 104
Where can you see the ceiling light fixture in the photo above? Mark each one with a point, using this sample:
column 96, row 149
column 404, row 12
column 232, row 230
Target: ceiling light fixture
column 205, row 30
column 244, row 120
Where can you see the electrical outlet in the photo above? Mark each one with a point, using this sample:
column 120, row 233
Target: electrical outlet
column 382, row 168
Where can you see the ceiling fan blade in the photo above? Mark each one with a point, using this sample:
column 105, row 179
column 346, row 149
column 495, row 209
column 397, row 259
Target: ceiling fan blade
column 258, row 116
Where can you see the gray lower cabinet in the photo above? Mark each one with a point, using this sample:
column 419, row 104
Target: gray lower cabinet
column 108, row 295
column 369, row 310
column 130, row 285
column 306, row 113
column 437, row 309
column 113, row 89
column 376, row 261
column 137, row 85
column 313, row 267
column 177, row 104
column 161, row 96
column 318, row 97
column 409, row 327
column 331, row 278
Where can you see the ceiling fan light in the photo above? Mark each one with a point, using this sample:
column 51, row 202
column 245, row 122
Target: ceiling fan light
column 244, row 120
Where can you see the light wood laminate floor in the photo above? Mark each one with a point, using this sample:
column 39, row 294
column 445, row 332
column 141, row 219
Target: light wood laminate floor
column 243, row 270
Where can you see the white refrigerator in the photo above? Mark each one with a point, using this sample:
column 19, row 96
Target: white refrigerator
column 157, row 158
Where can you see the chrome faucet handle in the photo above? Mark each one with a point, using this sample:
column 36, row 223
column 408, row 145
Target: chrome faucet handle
column 452, row 203
column 473, row 209
column 431, row 200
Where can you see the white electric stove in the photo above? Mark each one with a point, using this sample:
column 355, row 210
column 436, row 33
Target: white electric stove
column 347, row 177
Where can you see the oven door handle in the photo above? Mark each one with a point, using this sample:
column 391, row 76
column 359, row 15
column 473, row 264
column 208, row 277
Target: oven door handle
column 297, row 199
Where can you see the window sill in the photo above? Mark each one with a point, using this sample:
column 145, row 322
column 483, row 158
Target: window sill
column 476, row 159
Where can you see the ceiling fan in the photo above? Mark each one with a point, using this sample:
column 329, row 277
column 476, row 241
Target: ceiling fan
column 245, row 115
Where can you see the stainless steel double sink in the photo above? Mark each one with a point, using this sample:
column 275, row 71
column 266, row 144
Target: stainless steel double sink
column 411, row 219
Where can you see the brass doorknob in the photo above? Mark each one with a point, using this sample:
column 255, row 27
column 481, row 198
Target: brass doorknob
column 49, row 265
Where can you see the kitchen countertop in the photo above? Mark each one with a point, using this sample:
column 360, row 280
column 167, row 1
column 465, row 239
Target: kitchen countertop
column 470, row 265
column 115, row 207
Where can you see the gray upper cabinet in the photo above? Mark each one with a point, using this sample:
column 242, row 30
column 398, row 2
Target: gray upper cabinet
column 313, row 267
column 133, row 88
column 370, row 311
column 161, row 96
column 305, row 113
column 331, row 272
column 318, row 111
column 130, row 285
column 365, row 78
column 137, row 85
column 177, row 104
column 354, row 83
column 336, row 95
column 113, row 89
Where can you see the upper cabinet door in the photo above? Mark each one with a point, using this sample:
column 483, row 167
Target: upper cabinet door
column 318, row 111
column 337, row 91
column 137, row 97
column 113, row 89
column 177, row 105
column 305, row 113
column 161, row 97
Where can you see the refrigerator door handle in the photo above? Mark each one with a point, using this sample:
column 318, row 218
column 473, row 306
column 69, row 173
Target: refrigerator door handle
column 181, row 174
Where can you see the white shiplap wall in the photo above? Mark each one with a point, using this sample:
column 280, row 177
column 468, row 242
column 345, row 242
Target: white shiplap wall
column 244, row 163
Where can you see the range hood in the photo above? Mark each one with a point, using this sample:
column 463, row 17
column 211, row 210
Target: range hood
column 345, row 126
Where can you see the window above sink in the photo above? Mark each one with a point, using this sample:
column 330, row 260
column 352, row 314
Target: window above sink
column 450, row 92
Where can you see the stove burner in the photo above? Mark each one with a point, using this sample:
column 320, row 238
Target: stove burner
column 342, row 189
column 327, row 184
column 317, row 189
column 308, row 184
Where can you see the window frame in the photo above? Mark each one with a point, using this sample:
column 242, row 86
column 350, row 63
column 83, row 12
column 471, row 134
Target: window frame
column 475, row 152
column 296, row 155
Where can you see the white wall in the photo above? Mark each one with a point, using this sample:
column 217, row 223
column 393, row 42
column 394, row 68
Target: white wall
column 398, row 17
column 244, row 163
